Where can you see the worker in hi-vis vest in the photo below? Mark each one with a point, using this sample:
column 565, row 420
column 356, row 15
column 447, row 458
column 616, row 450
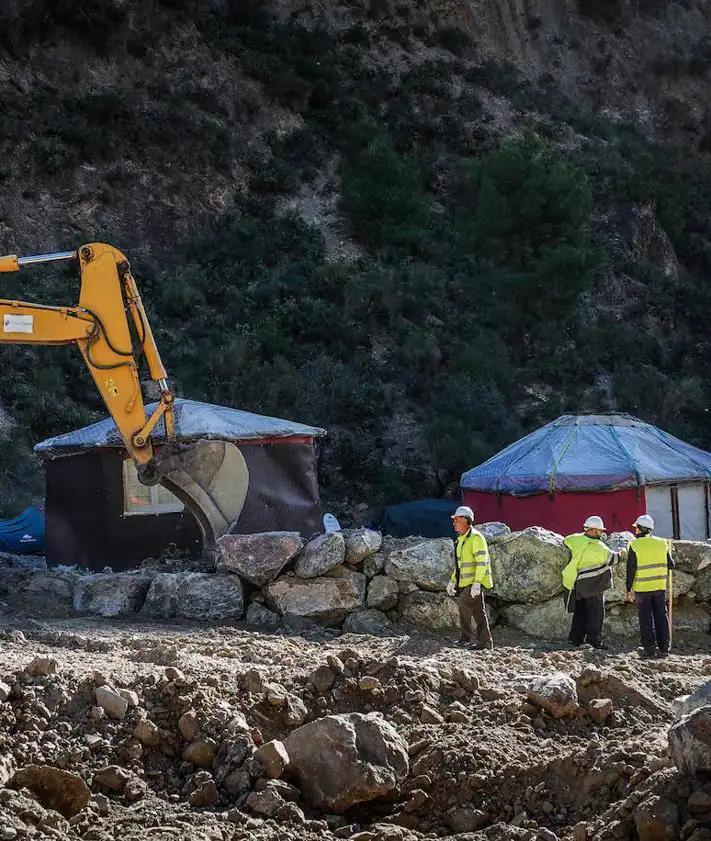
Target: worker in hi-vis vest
column 585, row 579
column 471, row 576
column 648, row 563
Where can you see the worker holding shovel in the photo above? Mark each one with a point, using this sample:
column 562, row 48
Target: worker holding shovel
column 649, row 566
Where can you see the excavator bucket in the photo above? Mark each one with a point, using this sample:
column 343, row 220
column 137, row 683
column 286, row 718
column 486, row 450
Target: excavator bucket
column 211, row 479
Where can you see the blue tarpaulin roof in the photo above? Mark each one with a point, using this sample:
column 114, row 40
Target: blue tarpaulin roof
column 589, row 453
column 193, row 420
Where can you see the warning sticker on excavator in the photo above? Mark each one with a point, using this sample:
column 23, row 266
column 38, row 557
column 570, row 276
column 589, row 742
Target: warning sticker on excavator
column 111, row 388
column 18, row 324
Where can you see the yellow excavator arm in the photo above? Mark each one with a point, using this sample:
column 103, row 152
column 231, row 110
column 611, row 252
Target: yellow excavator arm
column 210, row 477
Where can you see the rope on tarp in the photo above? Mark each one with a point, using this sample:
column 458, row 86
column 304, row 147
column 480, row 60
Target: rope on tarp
column 551, row 480
column 626, row 454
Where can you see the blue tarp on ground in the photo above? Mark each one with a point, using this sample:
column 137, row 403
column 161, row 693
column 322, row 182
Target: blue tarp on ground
column 590, row 453
column 24, row 534
column 423, row 518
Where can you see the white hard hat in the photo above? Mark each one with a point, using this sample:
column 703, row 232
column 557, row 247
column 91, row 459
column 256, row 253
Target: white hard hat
column 644, row 521
column 464, row 511
column 594, row 522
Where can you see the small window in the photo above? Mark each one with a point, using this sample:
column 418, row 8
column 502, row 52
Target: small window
column 141, row 499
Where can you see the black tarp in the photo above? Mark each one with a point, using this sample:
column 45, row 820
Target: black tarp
column 422, row 518
column 85, row 518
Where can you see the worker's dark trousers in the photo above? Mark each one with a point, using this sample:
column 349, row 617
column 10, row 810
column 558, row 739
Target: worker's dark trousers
column 587, row 623
column 653, row 619
column 473, row 607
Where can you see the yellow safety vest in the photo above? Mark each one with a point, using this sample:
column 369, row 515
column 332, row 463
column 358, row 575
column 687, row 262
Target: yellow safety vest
column 473, row 565
column 590, row 557
column 652, row 569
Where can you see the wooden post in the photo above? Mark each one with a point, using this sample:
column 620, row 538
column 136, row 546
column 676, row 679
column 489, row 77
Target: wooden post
column 671, row 608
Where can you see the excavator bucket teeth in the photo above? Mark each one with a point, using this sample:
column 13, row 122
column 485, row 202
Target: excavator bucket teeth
column 211, row 479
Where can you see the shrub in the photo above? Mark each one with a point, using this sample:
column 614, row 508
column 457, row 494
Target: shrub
column 382, row 191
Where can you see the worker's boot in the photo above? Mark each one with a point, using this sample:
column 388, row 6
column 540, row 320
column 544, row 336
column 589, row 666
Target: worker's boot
column 483, row 646
column 463, row 642
column 648, row 653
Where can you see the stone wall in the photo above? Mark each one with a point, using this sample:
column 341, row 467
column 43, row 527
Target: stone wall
column 356, row 580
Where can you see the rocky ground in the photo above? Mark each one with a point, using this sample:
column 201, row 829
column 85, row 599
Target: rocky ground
column 129, row 729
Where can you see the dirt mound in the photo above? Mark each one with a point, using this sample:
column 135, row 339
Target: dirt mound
column 179, row 755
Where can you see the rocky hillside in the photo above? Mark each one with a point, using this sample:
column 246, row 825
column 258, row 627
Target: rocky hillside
column 426, row 226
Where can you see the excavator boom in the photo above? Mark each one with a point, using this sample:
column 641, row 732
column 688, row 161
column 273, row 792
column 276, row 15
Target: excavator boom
column 110, row 327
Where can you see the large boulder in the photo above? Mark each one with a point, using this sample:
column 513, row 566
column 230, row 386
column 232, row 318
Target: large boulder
column 49, row 593
column 258, row 558
column 619, row 541
column 702, row 583
column 383, row 592
column 700, row 697
column 320, row 555
column 527, row 566
column 434, row 611
column 425, row 563
column 110, row 594
column 374, row 564
column 621, row 620
column 361, row 544
column 195, row 595
column 548, row 620
column 373, row 622
column 494, row 532
column 691, row 556
column 327, row 599
column 63, row 791
column 555, row 693
column 342, row 760
column 690, row 742
column 657, row 819
column 261, row 616
column 689, row 616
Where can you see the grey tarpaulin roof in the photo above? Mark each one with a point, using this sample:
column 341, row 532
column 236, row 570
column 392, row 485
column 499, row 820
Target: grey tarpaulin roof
column 193, row 420
column 588, row 453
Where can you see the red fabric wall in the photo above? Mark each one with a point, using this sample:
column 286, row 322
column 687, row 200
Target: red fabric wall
column 564, row 513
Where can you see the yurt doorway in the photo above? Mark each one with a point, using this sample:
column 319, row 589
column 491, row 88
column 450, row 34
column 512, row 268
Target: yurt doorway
column 680, row 512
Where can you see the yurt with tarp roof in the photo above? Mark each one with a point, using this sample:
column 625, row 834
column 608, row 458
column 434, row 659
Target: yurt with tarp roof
column 613, row 465
column 98, row 513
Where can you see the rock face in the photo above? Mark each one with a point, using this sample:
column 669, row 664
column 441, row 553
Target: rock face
column 342, row 760
column 110, row 594
column 434, row 611
column 690, row 742
column 258, row 558
column 555, row 693
column 361, row 544
column 195, row 595
column 320, row 555
column 548, row 620
column 527, row 566
column 383, row 592
column 55, row 789
column 426, row 563
column 327, row 600
column 371, row 621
